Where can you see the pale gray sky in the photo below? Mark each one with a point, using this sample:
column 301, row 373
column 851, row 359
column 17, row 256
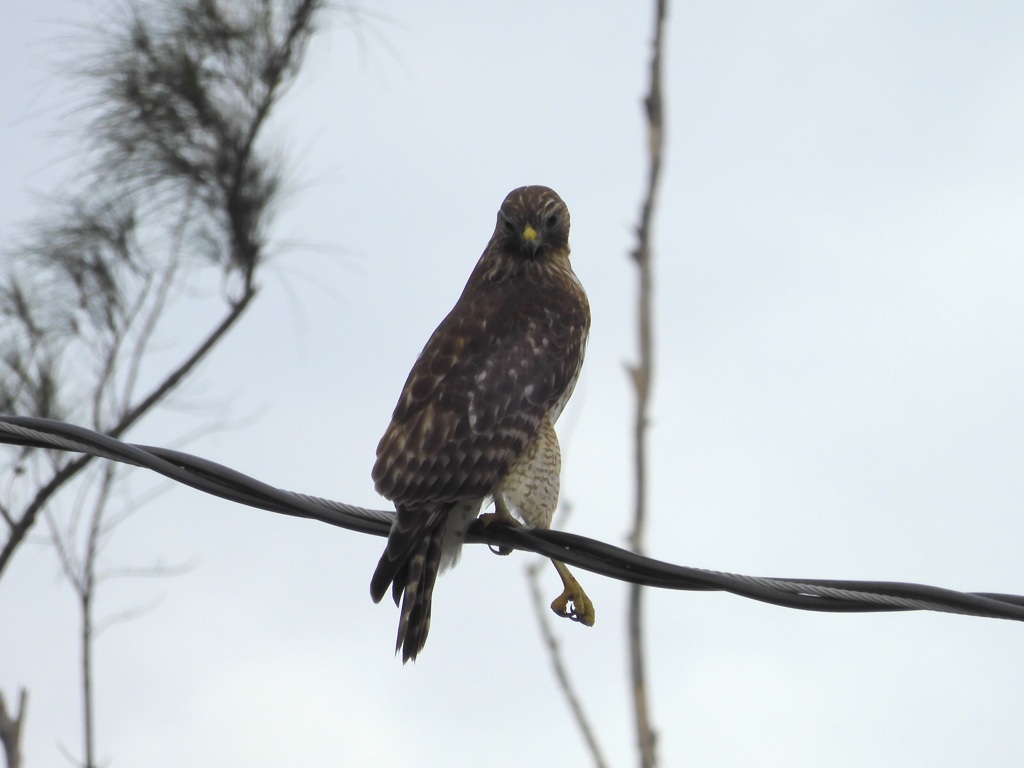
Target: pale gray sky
column 840, row 393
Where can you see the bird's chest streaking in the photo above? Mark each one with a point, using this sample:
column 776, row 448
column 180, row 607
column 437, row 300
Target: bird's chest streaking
column 530, row 487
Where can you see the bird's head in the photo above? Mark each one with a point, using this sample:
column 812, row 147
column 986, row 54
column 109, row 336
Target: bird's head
column 533, row 224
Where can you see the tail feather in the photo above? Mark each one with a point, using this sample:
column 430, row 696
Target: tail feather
column 409, row 565
column 410, row 528
column 414, row 622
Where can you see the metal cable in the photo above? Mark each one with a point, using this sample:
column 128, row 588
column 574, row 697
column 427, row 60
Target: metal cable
column 592, row 555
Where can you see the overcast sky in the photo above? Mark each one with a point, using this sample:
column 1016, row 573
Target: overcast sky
column 840, row 394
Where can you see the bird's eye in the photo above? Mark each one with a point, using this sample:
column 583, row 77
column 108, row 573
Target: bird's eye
column 551, row 221
column 510, row 227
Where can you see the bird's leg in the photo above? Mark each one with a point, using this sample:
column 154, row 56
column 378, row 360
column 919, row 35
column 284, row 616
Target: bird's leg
column 582, row 609
column 573, row 603
column 500, row 515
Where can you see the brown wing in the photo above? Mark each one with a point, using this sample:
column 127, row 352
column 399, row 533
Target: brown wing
column 508, row 353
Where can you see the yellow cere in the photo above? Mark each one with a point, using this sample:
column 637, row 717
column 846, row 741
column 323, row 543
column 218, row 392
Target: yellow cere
column 529, row 233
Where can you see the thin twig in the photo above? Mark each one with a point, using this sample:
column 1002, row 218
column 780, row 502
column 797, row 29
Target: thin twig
column 642, row 375
column 541, row 611
column 21, row 528
column 86, row 597
column 11, row 725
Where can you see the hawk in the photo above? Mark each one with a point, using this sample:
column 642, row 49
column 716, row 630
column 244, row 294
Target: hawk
column 476, row 416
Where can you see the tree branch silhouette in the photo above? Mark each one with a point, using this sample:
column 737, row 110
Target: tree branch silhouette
column 176, row 100
column 642, row 374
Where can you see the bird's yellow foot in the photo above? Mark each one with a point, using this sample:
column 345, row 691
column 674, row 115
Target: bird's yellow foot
column 575, row 606
column 573, row 603
column 500, row 515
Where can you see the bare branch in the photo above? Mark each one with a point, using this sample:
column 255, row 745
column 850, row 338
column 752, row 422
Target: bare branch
column 161, row 294
column 69, row 470
column 642, row 375
column 542, row 612
column 126, row 615
column 11, row 726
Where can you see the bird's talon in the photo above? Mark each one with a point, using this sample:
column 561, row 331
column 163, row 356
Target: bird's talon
column 490, row 518
column 576, row 606
column 499, row 517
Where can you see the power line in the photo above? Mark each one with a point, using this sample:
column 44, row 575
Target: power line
column 841, row 596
